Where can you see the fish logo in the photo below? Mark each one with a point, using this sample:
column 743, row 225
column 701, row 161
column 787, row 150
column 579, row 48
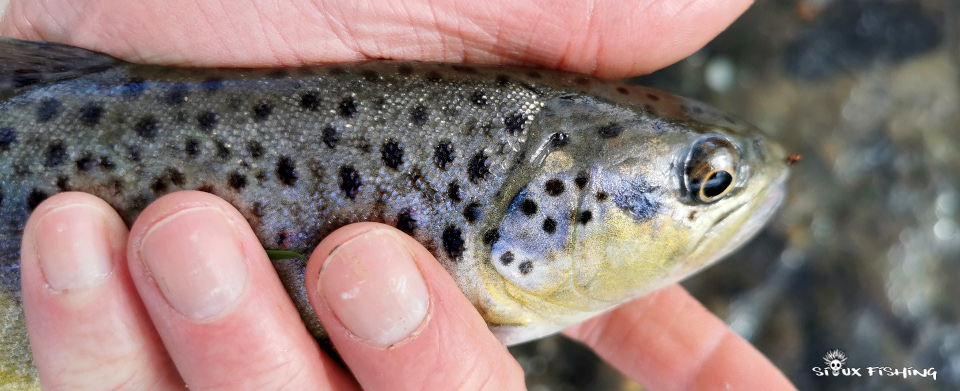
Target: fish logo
column 835, row 359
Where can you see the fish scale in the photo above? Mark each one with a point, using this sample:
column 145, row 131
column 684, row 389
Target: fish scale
column 548, row 196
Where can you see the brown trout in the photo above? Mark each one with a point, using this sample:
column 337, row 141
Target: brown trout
column 549, row 197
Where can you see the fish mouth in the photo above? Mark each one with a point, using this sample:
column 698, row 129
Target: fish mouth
column 772, row 198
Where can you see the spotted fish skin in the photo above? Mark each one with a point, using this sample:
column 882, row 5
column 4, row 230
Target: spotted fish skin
column 539, row 191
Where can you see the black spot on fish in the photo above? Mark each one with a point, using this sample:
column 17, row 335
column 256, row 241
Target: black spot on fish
column 350, row 181
column 35, row 197
column 478, row 98
column 207, row 120
column 434, row 77
column 134, row 153
column 330, row 136
column 261, row 176
column 106, row 163
column 514, row 123
column 525, row 267
column 86, row 162
column 478, row 168
column 370, row 75
column 602, row 196
column 392, row 154
column 159, row 185
column 453, row 192
column 177, row 94
column 63, row 183
column 348, row 107
column 554, row 187
column 472, row 212
column 653, row 97
column 581, row 80
column 147, row 127
column 581, row 180
column 419, row 115
column 8, row 136
column 91, row 113
column 405, row 70
column 610, row 131
column 406, row 222
column 337, row 71
column 310, row 101
column 534, row 75
column 453, row 242
column 262, row 111
column 549, row 225
column 623, row 91
column 223, row 151
column 528, row 207
column 56, row 155
column 585, row 217
column 507, row 258
column 133, row 88
column 490, row 237
column 502, row 80
column 48, row 109
column 169, row 176
column 192, row 147
column 237, row 180
column 211, row 85
column 281, row 239
column 287, row 171
column 443, row 154
column 559, row 139
column 256, row 149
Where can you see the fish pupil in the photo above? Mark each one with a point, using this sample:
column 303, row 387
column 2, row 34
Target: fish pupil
column 717, row 183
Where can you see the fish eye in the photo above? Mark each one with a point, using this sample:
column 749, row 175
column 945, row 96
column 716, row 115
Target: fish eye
column 710, row 172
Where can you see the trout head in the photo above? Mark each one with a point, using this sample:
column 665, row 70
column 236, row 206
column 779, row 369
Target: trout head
column 614, row 200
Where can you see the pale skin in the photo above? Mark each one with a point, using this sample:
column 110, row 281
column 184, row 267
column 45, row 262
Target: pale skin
column 121, row 331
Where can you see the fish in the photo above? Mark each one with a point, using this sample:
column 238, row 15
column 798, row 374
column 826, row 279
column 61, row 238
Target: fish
column 550, row 197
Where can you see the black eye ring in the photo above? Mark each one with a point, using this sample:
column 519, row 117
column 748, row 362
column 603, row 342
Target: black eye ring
column 710, row 172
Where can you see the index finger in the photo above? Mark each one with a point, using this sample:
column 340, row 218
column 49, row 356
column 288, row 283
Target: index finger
column 607, row 38
column 667, row 340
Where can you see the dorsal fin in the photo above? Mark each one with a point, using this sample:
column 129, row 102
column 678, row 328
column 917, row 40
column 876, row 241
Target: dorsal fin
column 26, row 64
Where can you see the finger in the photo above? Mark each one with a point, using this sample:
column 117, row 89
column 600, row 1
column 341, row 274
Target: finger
column 398, row 319
column 668, row 341
column 87, row 326
column 218, row 304
column 609, row 38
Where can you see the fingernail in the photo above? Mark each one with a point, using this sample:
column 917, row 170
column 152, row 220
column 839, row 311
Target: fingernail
column 373, row 285
column 195, row 258
column 74, row 248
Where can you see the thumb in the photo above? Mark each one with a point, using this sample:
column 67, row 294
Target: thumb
column 398, row 319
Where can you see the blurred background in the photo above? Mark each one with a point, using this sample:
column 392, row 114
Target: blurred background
column 865, row 255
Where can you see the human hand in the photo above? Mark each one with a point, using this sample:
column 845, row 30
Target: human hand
column 131, row 328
